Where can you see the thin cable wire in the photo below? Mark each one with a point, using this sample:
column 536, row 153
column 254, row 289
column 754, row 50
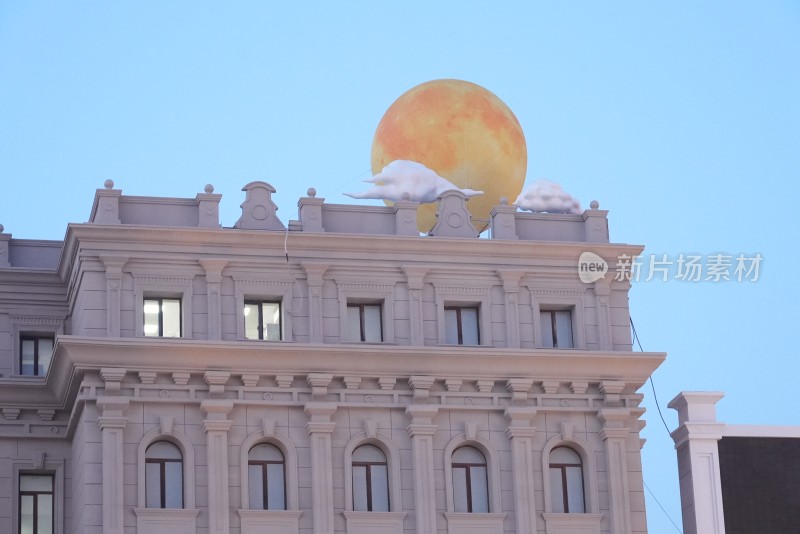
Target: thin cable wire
column 652, row 384
column 655, row 397
column 662, row 508
column 345, row 184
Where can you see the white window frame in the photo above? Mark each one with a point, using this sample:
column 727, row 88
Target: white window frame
column 49, row 466
column 163, row 287
column 590, row 490
column 289, row 465
column 392, row 468
column 359, row 522
column 184, row 445
column 465, row 297
column 559, row 300
column 256, row 521
column 367, row 293
column 34, row 326
column 492, row 471
column 266, row 291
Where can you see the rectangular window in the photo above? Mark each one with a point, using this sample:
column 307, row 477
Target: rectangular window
column 557, row 329
column 35, row 352
column 364, row 322
column 162, row 317
column 262, row 320
column 36, row 504
column 461, row 325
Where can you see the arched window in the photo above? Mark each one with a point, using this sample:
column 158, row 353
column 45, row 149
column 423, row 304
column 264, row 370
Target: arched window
column 566, row 481
column 266, row 477
column 163, row 475
column 370, row 480
column 470, row 481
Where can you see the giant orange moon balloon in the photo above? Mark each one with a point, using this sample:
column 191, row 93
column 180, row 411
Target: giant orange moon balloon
column 464, row 133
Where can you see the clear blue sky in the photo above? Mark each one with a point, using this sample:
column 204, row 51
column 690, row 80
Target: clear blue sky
column 681, row 118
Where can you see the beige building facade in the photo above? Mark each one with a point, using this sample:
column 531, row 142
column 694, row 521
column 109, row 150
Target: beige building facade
column 162, row 373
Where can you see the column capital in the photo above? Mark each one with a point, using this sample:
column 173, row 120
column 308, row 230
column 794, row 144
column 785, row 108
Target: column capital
column 422, row 413
column 218, row 408
column 320, row 412
column 217, row 425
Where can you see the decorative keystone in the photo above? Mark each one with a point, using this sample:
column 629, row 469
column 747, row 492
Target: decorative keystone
column 268, row 427
column 370, row 428
column 319, row 383
column 471, row 430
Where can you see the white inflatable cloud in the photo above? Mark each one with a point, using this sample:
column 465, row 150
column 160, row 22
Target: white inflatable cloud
column 547, row 196
column 403, row 176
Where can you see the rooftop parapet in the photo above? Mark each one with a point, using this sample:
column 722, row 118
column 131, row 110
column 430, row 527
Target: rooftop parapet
column 506, row 221
column 111, row 207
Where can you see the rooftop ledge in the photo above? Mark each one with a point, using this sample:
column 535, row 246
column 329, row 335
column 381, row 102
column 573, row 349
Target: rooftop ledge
column 112, row 208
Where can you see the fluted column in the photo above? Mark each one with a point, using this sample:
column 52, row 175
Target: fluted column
column 615, row 433
column 422, row 431
column 414, row 278
column 319, row 428
column 314, row 273
column 112, row 422
column 602, row 293
column 213, row 268
column 511, row 289
column 113, row 265
column 216, row 426
column 520, row 432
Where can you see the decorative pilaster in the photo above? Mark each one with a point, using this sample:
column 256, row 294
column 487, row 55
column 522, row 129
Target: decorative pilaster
column 114, row 266
column 112, row 422
column 511, row 289
column 213, row 268
column 216, row 426
column 615, row 433
column 414, row 278
column 422, row 431
column 319, row 428
column 696, row 440
column 520, row 433
column 602, row 292
column 314, row 273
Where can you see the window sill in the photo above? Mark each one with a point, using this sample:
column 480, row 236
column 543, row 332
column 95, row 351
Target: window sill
column 158, row 520
column 572, row 523
column 374, row 522
column 272, row 521
column 390, row 343
column 474, row 523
